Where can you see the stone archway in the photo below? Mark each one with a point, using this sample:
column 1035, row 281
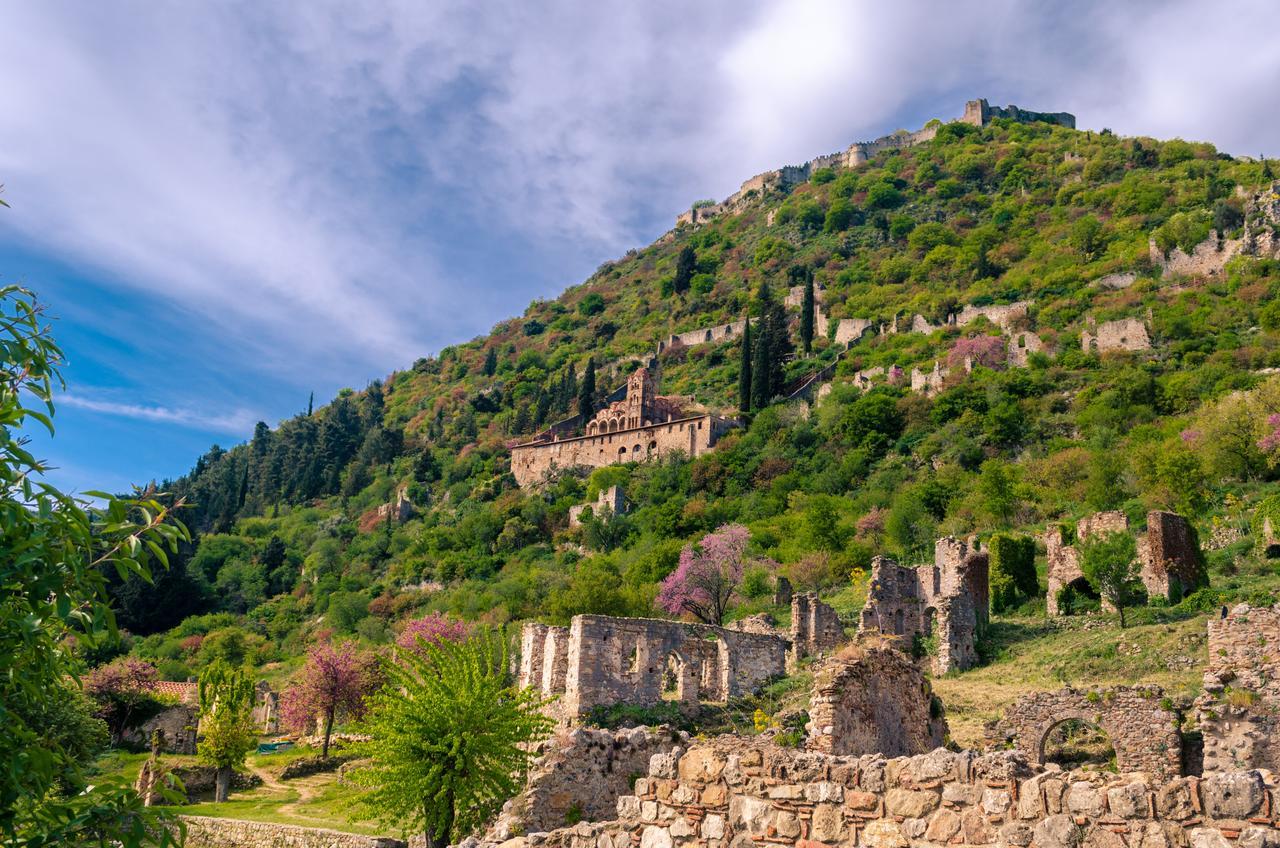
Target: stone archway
column 1143, row 732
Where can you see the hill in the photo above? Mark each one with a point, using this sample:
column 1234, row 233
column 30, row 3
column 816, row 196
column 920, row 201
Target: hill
column 1019, row 323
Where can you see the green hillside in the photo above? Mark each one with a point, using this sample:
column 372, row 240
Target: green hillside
column 289, row 545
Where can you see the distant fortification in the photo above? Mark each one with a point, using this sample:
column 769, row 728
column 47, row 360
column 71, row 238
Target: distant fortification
column 976, row 112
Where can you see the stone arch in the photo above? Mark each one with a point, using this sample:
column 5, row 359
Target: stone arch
column 622, row 453
column 653, row 445
column 1143, row 732
column 636, row 450
column 1085, row 717
column 708, row 335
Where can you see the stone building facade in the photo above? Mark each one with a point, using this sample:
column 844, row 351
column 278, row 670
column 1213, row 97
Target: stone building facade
column 1005, row 316
column 1168, row 553
column 1138, row 721
column 1239, row 712
column 873, row 701
column 738, row 792
column 980, row 113
column 1125, row 334
column 815, row 627
column 641, row 426
column 601, row 660
column 949, row 600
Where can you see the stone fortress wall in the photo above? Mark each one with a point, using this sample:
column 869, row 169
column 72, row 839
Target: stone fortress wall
column 740, row 792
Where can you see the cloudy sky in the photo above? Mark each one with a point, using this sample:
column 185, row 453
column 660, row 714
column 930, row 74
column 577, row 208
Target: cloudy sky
column 227, row 206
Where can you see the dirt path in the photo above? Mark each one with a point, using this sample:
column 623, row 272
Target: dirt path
column 305, row 788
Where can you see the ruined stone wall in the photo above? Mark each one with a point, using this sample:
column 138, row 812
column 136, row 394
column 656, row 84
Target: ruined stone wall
column 718, row 333
column 531, row 462
column 849, row 330
column 1124, row 334
column 1138, row 721
column 815, row 626
column 1021, row 346
column 607, row 660
column 236, row 833
column 929, row 382
column 980, row 113
column 612, row 499
column 1206, row 259
column 580, row 774
column 873, row 700
column 742, row 793
column 1003, row 316
column 1172, row 565
column 1239, row 712
column 177, row 723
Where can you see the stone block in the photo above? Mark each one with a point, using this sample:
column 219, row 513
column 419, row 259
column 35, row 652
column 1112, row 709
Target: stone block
column 1057, row 831
column 977, row 830
column 1231, row 795
column 827, row 824
column 701, row 764
column 944, row 825
column 883, row 834
column 654, row 836
column 966, row 794
column 910, row 803
column 1085, row 799
column 1129, row 801
column 1173, row 800
column 713, row 826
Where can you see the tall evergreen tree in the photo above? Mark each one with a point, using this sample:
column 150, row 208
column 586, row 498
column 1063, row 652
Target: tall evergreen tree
column 686, row 264
column 807, row 309
column 311, row 404
column 587, row 391
column 744, row 368
column 490, row 362
column 760, row 389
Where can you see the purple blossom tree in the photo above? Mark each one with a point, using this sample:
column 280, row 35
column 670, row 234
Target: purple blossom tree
column 124, row 694
column 987, row 351
column 1271, row 440
column 433, row 628
column 334, row 682
column 704, row 582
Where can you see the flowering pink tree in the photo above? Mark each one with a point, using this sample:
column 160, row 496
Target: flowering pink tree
column 987, row 351
column 1271, row 441
column 433, row 629
column 704, row 582
column 871, row 525
column 124, row 693
column 334, row 682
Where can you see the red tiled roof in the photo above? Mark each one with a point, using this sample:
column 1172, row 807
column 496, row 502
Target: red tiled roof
column 187, row 692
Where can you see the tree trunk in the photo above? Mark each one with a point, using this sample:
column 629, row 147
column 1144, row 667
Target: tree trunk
column 222, row 784
column 1120, row 610
column 328, row 731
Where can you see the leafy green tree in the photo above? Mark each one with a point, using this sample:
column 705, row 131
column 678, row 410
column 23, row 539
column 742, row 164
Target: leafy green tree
column 1012, row 569
column 1087, row 237
column 1109, row 562
column 592, row 304
column 744, row 368
column 1104, row 486
column 996, row 488
column 587, row 391
column 910, row 526
column 226, row 722
column 53, row 551
column 451, row 739
column 686, row 266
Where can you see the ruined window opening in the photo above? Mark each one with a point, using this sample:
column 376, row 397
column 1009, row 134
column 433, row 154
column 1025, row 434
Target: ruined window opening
column 671, row 678
column 930, row 615
column 1078, row 597
column 633, row 662
column 899, row 623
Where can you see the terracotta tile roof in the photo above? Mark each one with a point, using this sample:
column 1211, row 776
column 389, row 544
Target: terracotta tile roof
column 187, row 692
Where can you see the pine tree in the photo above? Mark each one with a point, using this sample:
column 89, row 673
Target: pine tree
column 686, row 264
column 587, row 391
column 490, row 362
column 744, row 368
column 807, row 310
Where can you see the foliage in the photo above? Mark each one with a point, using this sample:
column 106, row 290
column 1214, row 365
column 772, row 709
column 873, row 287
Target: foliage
column 332, row 684
column 227, row 732
column 53, row 553
column 1012, row 570
column 450, row 739
column 704, row 582
column 123, row 692
column 1109, row 562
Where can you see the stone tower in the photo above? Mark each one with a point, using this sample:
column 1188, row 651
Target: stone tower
column 639, row 401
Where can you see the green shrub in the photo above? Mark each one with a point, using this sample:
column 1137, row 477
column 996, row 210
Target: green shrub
column 1012, row 570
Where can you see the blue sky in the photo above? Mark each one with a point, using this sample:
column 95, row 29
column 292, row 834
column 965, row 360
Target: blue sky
column 227, row 206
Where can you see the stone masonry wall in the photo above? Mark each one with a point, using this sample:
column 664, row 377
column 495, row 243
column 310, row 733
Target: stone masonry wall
column 873, row 700
column 815, row 626
column 1239, row 712
column 743, row 793
column 609, row 660
column 582, row 773
column 205, row 832
column 1124, row 334
column 1144, row 733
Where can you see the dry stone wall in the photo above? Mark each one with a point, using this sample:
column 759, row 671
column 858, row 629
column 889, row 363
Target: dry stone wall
column 1239, row 712
column 1125, row 334
column 735, row 793
column 873, row 700
column 1139, row 722
column 205, row 832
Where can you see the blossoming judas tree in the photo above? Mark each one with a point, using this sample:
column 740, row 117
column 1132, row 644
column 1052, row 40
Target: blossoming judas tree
column 433, row 628
column 124, row 693
column 987, row 351
column 333, row 684
column 708, row 574
column 54, row 549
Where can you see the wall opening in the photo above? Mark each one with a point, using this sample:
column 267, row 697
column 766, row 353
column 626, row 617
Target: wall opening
column 1078, row 597
column 1078, row 743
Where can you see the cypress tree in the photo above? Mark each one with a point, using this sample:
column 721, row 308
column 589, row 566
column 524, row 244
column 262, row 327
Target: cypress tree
column 587, row 391
column 1266, row 170
column 807, row 310
column 744, row 369
column 760, row 388
column 686, row 264
column 490, row 362
column 779, row 344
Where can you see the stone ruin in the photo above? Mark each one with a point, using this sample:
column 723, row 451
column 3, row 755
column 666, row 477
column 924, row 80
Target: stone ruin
column 1124, row 334
column 949, row 600
column 580, row 774
column 1139, row 722
column 731, row 792
column 601, row 661
column 815, row 627
column 1170, row 557
column 1239, row 712
column 873, row 700
column 613, row 500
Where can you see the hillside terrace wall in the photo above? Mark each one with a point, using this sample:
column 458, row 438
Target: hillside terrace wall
column 742, row 793
column 205, row 832
column 532, row 462
column 608, row 660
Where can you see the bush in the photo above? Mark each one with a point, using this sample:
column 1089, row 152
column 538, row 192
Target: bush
column 1012, row 570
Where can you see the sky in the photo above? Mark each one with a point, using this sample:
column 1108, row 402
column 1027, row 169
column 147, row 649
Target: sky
column 228, row 206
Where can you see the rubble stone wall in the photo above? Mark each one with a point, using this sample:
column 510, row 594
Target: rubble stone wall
column 1239, row 712
column 205, row 832
column 1138, row 721
column 873, row 700
column 1124, row 334
column 177, row 723
column 607, row 660
column 815, row 626
column 734, row 792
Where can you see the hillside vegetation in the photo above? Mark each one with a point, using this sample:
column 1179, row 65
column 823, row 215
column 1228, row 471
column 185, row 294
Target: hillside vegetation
column 290, row 547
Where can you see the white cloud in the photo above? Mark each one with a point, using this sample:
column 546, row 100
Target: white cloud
column 237, row 422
